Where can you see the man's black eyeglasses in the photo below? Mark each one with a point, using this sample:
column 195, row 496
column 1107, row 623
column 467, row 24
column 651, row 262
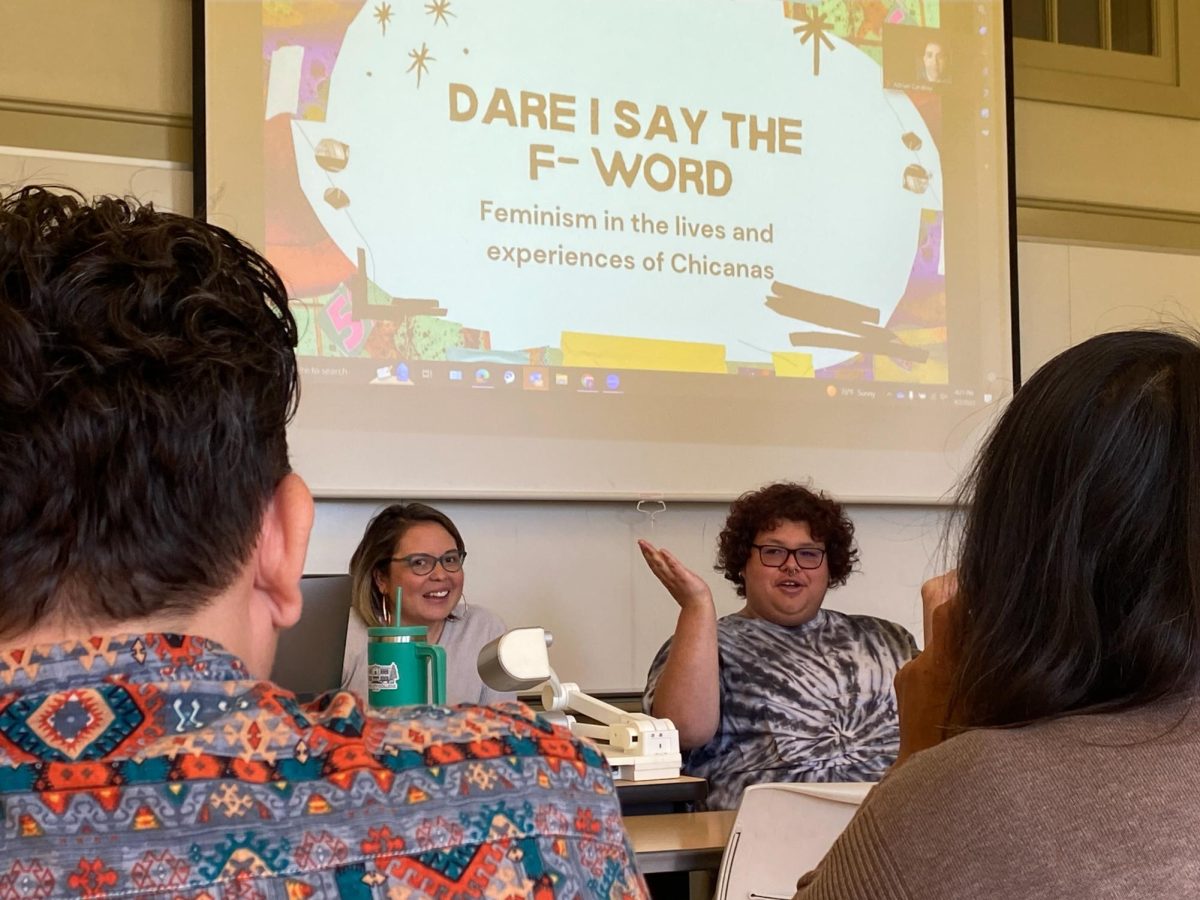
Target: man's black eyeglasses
column 773, row 557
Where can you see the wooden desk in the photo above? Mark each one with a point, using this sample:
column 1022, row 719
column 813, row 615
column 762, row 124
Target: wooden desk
column 680, row 842
column 664, row 795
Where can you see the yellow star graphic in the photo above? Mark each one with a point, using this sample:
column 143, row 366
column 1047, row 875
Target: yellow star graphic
column 420, row 61
column 439, row 9
column 383, row 15
column 814, row 27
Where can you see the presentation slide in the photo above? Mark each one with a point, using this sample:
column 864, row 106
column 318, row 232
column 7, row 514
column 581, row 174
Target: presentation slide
column 563, row 248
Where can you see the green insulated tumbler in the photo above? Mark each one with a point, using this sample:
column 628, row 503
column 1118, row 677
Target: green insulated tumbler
column 403, row 670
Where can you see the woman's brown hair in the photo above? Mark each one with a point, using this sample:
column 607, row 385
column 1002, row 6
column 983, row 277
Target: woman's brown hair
column 375, row 552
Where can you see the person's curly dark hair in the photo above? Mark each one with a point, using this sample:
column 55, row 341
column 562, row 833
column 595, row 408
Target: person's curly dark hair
column 785, row 501
column 147, row 375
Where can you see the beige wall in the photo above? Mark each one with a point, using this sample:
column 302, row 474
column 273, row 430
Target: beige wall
column 1076, row 153
column 111, row 77
column 118, row 82
column 1105, row 177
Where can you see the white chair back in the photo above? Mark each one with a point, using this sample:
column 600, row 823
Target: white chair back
column 781, row 832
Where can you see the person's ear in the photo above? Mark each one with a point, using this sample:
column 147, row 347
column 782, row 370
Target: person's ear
column 282, row 546
column 381, row 584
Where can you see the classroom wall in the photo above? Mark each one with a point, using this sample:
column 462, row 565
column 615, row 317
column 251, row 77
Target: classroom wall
column 573, row 567
column 111, row 77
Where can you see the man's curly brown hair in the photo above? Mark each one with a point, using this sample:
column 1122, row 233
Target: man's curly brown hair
column 786, row 501
column 147, row 376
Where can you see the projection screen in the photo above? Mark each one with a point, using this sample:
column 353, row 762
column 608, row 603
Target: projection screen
column 632, row 248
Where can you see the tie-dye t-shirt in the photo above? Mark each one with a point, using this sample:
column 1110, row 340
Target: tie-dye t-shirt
column 811, row 702
column 155, row 766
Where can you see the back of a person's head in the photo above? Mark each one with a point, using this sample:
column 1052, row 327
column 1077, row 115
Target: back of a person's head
column 1079, row 567
column 147, row 373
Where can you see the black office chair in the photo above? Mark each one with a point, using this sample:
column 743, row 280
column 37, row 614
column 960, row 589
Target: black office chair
column 309, row 658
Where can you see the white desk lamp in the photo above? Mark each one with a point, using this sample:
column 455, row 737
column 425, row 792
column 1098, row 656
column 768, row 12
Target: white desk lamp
column 637, row 746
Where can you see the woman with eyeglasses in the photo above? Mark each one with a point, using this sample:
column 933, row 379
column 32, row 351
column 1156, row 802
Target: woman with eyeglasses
column 418, row 549
column 782, row 690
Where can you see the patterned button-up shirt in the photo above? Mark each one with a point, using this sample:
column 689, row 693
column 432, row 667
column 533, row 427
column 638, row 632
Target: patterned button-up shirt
column 154, row 765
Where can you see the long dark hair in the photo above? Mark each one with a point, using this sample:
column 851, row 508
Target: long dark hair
column 1079, row 567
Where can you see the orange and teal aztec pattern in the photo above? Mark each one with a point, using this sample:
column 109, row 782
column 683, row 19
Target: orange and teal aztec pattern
column 156, row 766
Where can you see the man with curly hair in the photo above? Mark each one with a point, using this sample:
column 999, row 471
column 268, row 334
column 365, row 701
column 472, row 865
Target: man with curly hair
column 152, row 537
column 782, row 690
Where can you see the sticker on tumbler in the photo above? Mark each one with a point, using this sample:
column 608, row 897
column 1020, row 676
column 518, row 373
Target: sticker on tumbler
column 383, row 678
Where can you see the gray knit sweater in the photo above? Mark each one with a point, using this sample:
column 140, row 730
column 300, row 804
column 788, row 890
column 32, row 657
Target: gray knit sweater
column 1085, row 808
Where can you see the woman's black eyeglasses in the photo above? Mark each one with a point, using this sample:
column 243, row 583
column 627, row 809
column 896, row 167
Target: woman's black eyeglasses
column 423, row 563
